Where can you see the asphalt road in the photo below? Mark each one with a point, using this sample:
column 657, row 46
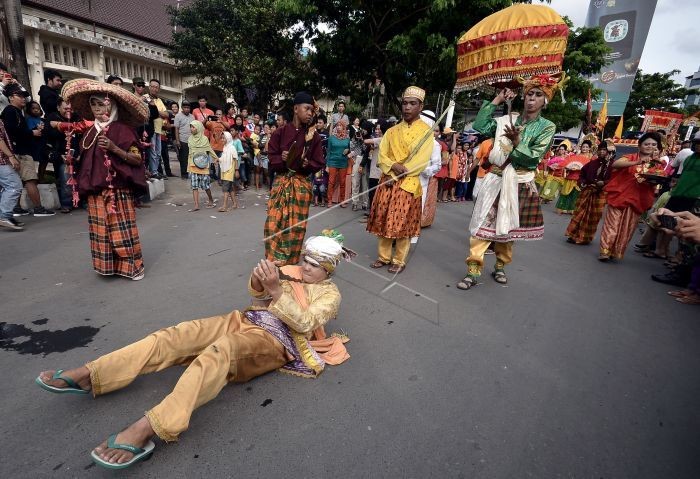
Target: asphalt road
column 576, row 369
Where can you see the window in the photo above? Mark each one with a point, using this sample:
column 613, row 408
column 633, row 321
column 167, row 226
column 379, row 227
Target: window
column 47, row 52
column 108, row 65
column 694, row 82
column 66, row 56
column 75, row 58
column 84, row 59
column 56, row 53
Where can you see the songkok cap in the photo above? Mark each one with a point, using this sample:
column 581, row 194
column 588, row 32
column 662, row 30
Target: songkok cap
column 428, row 117
column 303, row 97
column 414, row 92
column 549, row 84
column 326, row 250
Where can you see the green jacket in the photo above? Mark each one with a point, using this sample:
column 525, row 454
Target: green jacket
column 535, row 139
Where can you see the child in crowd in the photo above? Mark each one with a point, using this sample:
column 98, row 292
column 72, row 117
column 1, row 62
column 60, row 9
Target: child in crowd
column 199, row 176
column 228, row 164
column 320, row 187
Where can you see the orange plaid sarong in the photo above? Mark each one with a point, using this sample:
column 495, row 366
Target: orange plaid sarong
column 114, row 238
column 288, row 210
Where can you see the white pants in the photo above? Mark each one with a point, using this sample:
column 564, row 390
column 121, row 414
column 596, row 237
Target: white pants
column 359, row 184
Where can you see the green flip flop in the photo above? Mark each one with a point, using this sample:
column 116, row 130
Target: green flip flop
column 140, row 454
column 72, row 388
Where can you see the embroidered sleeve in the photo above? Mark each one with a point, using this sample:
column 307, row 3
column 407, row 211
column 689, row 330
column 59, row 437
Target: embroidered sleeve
column 528, row 153
column 323, row 306
column 484, row 122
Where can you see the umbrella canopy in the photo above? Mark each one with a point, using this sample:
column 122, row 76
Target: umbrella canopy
column 521, row 40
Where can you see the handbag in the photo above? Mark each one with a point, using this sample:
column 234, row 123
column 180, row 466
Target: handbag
column 201, row 160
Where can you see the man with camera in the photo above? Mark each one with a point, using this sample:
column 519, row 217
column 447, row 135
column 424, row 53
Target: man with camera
column 680, row 216
column 145, row 132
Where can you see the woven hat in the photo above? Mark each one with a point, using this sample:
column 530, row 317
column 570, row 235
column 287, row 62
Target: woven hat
column 132, row 110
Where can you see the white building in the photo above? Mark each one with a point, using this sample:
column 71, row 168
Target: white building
column 692, row 82
column 98, row 38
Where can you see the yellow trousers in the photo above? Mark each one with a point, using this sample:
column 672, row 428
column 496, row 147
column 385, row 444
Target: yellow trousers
column 477, row 250
column 218, row 350
column 403, row 245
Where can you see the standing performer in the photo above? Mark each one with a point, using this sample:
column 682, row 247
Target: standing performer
column 404, row 153
column 111, row 173
column 572, row 172
column 294, row 153
column 508, row 206
column 591, row 202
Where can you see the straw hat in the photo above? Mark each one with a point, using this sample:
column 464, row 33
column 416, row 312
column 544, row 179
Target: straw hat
column 132, row 110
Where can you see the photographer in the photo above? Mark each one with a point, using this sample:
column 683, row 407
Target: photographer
column 359, row 179
column 686, row 226
column 145, row 132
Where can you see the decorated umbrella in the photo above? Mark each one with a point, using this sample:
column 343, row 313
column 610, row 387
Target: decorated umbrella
column 519, row 41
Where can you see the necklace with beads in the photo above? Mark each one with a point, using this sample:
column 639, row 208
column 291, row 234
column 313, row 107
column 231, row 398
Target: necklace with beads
column 92, row 143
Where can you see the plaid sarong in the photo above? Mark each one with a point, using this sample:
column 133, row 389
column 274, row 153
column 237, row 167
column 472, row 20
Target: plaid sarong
column 530, row 218
column 567, row 203
column 589, row 210
column 114, row 238
column 288, row 209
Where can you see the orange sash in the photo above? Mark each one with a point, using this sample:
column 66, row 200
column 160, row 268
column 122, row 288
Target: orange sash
column 331, row 349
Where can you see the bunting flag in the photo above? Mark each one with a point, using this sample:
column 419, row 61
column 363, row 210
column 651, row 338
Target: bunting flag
column 603, row 115
column 618, row 130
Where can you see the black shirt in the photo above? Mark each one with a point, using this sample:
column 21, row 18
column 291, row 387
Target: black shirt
column 18, row 130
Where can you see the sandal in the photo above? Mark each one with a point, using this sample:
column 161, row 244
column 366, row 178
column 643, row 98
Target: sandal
column 467, row 283
column 652, row 254
column 499, row 276
column 72, row 388
column 211, row 205
column 378, row 264
column 396, row 268
column 138, row 452
column 192, row 209
column 222, row 210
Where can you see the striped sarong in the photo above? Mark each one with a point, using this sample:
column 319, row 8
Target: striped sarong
column 589, row 210
column 288, row 210
column 114, row 237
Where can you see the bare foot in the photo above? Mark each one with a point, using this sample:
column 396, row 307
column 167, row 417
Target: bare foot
column 80, row 375
column 138, row 435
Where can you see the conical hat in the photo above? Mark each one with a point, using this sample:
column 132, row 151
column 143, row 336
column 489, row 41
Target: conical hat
column 521, row 40
column 132, row 109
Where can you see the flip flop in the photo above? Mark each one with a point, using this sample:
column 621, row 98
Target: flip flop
column 139, row 454
column 72, row 388
column 652, row 254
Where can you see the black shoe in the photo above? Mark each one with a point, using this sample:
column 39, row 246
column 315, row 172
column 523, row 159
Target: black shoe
column 41, row 211
column 17, row 222
column 671, row 278
column 17, row 211
column 10, row 223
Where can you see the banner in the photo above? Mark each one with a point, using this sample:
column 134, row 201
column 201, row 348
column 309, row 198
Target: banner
column 625, row 24
column 662, row 120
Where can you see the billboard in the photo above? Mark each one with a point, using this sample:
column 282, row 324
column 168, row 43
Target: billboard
column 625, row 24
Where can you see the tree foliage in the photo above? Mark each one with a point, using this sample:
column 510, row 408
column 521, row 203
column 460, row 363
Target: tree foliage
column 243, row 48
column 657, row 91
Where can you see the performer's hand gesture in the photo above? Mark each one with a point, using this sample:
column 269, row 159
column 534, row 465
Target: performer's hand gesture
column 513, row 134
column 105, row 143
column 504, row 95
column 267, row 273
column 398, row 169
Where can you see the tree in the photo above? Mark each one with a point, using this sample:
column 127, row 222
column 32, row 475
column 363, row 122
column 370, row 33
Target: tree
column 657, row 91
column 243, row 48
column 399, row 41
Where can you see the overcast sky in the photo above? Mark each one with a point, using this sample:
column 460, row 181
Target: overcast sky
column 673, row 41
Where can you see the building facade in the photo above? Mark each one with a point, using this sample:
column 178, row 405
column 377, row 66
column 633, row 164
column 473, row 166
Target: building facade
column 692, row 83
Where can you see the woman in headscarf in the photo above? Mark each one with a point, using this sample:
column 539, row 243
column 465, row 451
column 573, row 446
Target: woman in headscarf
column 111, row 173
column 228, row 164
column 337, row 162
column 200, row 148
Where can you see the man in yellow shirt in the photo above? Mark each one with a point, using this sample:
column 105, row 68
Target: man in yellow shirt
column 396, row 209
column 154, row 154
